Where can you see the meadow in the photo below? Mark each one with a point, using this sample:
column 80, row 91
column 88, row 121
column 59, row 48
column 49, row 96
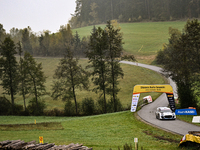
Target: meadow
column 101, row 132
column 141, row 39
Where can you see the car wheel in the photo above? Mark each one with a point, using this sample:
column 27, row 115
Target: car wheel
column 158, row 116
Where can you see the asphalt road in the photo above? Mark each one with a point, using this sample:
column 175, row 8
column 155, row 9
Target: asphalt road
column 147, row 113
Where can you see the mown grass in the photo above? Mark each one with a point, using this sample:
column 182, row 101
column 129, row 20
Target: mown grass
column 100, row 132
column 132, row 75
column 142, row 39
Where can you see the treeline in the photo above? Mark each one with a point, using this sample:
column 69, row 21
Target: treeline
column 45, row 43
column 89, row 12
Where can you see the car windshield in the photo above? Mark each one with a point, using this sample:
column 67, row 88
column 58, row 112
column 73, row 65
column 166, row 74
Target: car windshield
column 166, row 110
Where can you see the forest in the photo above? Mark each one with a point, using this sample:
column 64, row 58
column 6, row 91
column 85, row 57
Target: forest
column 46, row 43
column 90, row 12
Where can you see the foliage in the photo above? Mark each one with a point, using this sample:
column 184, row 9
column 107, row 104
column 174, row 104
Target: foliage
column 88, row 106
column 97, row 50
column 36, row 108
column 180, row 60
column 133, row 10
column 68, row 77
column 70, row 108
column 9, row 67
column 113, row 55
column 35, row 77
column 6, row 106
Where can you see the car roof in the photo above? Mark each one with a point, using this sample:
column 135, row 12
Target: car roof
column 163, row 108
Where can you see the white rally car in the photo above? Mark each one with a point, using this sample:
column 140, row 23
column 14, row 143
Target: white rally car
column 165, row 113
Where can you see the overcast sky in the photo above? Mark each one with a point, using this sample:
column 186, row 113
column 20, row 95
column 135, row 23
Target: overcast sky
column 38, row 14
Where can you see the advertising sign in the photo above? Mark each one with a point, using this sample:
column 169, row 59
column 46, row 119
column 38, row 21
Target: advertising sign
column 171, row 101
column 186, row 112
column 135, row 99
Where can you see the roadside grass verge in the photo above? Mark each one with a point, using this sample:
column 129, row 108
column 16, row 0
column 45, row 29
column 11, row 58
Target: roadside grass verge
column 101, row 132
column 187, row 118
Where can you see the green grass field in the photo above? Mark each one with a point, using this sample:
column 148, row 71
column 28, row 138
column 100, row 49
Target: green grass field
column 101, row 132
column 141, row 39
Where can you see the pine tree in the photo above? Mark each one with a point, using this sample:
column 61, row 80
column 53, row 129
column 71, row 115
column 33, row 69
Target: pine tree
column 8, row 68
column 68, row 77
column 96, row 54
column 113, row 57
column 35, row 77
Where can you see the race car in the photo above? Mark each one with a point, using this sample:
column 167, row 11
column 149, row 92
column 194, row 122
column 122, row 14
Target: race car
column 165, row 113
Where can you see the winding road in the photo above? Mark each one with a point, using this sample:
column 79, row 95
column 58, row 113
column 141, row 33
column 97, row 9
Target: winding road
column 147, row 113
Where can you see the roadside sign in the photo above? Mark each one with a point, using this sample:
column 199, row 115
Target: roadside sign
column 41, row 139
column 196, row 119
column 186, row 112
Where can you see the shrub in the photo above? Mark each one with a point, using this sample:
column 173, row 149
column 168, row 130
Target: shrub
column 54, row 112
column 5, row 106
column 70, row 108
column 100, row 106
column 34, row 110
column 18, row 109
column 88, row 106
column 110, row 105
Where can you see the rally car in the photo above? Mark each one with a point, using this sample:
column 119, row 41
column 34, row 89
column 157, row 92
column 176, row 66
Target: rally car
column 165, row 113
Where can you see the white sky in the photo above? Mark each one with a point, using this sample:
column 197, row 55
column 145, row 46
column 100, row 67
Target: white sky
column 38, row 14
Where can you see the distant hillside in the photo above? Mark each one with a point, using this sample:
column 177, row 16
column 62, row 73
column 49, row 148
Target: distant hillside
column 90, row 12
column 141, row 39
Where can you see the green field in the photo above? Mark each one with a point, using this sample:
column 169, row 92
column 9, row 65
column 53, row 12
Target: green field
column 100, row 132
column 141, row 39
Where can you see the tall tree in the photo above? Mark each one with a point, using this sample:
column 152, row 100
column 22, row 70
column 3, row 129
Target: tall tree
column 114, row 40
column 68, row 77
column 9, row 66
column 2, row 33
column 35, row 77
column 26, row 44
column 22, row 75
column 180, row 59
column 97, row 49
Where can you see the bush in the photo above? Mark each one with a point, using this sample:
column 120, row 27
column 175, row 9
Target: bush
column 54, row 112
column 88, row 106
column 110, row 105
column 34, row 110
column 18, row 109
column 100, row 106
column 5, row 106
column 70, row 109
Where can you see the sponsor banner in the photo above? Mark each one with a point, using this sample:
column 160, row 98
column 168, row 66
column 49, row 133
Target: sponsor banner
column 186, row 112
column 135, row 100
column 153, row 88
column 171, row 101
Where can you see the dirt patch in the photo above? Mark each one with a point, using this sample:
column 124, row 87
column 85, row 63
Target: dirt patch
column 160, row 137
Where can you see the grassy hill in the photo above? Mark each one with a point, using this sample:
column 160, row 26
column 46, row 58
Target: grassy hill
column 142, row 39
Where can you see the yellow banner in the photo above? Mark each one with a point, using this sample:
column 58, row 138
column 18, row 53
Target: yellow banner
column 153, row 88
